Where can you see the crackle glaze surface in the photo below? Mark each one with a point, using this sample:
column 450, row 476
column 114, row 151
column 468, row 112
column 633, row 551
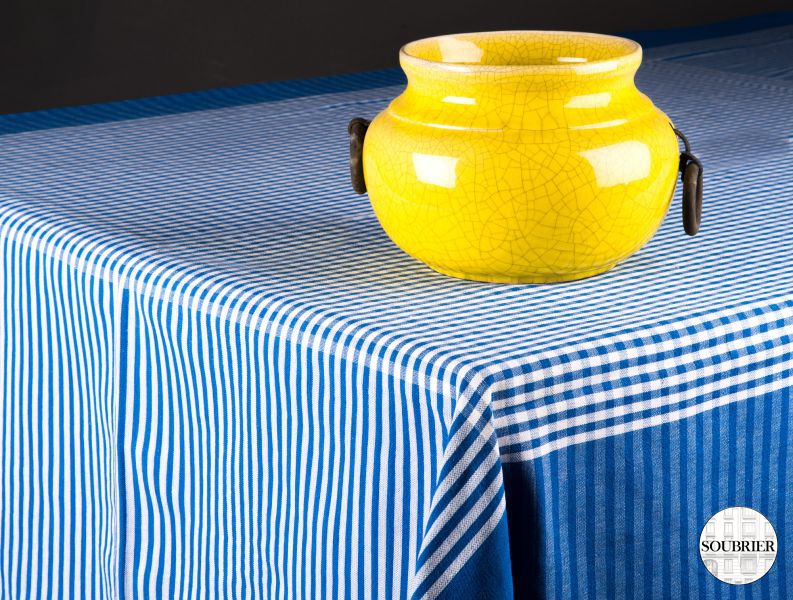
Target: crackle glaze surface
column 521, row 156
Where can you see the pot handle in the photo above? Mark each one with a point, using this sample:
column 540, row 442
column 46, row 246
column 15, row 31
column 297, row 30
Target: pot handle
column 691, row 176
column 357, row 130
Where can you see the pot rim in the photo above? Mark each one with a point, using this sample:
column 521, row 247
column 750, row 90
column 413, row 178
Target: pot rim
column 631, row 54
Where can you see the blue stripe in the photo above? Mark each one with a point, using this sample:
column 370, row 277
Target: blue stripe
column 121, row 426
column 659, row 37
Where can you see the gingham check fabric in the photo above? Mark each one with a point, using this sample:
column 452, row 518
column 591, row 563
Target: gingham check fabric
column 219, row 378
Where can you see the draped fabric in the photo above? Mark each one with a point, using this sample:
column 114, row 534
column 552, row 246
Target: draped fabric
column 220, row 378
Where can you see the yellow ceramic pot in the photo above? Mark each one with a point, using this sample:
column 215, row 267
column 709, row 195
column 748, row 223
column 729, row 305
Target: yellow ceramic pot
column 520, row 156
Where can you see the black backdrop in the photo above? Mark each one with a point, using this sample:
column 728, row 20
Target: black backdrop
column 61, row 52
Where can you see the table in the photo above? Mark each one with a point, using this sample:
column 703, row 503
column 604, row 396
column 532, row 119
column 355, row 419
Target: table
column 221, row 379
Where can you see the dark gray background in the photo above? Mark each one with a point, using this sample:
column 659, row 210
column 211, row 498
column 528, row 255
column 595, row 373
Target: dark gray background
column 62, row 52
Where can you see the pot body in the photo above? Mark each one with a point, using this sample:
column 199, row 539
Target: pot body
column 521, row 173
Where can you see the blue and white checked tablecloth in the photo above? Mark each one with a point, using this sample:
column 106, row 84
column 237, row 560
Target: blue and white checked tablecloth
column 219, row 378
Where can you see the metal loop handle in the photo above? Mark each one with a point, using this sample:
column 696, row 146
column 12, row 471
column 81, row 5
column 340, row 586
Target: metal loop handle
column 357, row 130
column 691, row 171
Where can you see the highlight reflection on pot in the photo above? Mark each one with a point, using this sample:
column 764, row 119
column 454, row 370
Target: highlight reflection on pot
column 619, row 164
column 522, row 157
column 436, row 170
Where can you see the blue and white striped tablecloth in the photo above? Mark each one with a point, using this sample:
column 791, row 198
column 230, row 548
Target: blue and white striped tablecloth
column 219, row 377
